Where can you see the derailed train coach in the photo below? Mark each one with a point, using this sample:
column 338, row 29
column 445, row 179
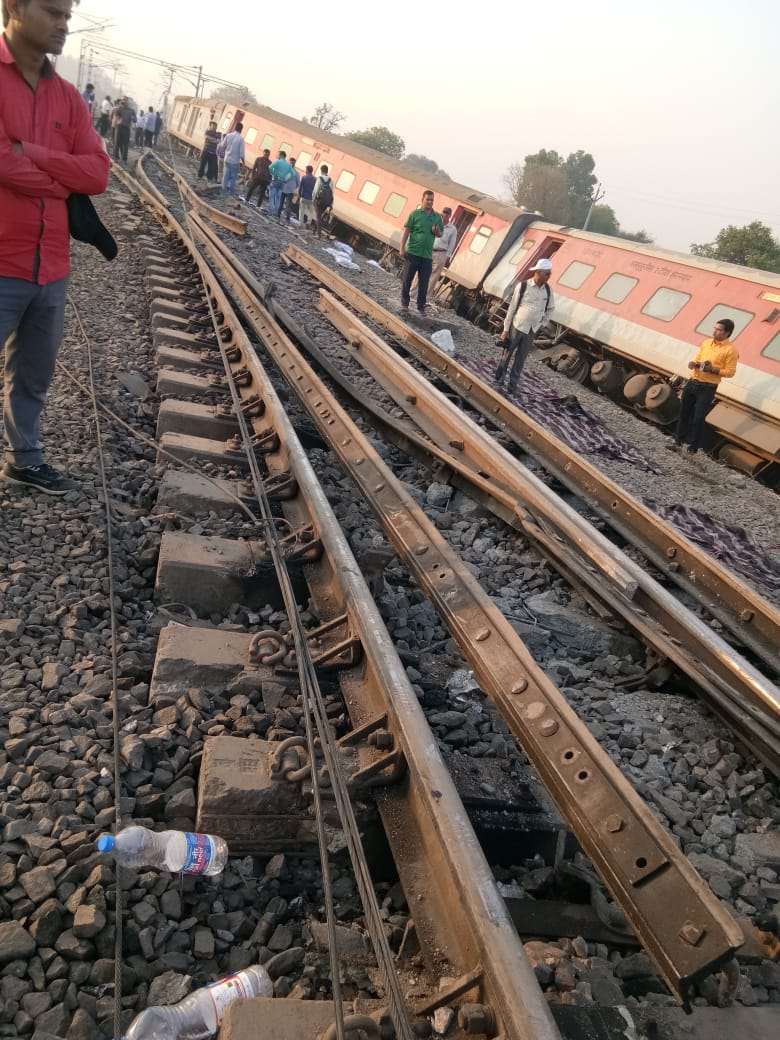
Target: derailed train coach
column 629, row 317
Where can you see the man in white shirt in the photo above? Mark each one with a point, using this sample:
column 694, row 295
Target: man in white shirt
column 234, row 153
column 531, row 305
column 443, row 248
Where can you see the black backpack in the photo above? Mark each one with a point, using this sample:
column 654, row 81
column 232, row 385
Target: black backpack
column 523, row 284
column 325, row 197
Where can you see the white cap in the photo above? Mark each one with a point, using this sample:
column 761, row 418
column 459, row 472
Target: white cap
column 542, row 265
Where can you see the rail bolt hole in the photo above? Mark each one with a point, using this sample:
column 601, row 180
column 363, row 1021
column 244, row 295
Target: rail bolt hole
column 583, row 775
column 568, row 755
column 641, row 862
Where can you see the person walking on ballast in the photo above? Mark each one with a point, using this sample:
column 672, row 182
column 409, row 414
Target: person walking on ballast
column 422, row 227
column 49, row 150
column 717, row 359
column 530, row 307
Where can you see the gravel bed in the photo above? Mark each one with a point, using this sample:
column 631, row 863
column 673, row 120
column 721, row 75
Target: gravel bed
column 57, row 894
column 714, row 797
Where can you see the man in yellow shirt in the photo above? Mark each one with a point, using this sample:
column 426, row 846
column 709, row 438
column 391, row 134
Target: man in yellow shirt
column 717, row 359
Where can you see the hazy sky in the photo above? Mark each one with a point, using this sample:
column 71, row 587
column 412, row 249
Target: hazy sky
column 677, row 101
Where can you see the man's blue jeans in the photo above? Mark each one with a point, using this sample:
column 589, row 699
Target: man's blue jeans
column 32, row 319
column 230, row 178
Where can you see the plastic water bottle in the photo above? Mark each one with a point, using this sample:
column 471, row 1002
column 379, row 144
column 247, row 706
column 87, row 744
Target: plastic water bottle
column 177, row 851
column 199, row 1015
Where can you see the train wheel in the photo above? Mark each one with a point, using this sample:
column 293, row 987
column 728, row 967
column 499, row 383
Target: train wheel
column 635, row 388
column 607, row 376
column 574, row 365
column 662, row 403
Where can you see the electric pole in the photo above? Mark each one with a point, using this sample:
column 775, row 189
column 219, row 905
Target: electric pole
column 598, row 195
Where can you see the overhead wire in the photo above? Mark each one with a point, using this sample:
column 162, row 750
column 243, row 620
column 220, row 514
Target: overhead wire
column 115, row 702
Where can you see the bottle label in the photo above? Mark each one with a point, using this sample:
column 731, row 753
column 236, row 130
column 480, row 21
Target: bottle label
column 224, row 992
column 200, row 853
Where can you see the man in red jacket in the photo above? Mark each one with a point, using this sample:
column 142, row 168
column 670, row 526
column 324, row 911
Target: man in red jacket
column 48, row 151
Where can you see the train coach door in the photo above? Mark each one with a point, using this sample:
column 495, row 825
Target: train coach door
column 545, row 251
column 463, row 218
column 237, row 118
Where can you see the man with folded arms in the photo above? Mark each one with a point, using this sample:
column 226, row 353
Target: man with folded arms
column 49, row 150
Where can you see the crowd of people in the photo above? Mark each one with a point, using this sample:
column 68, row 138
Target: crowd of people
column 117, row 121
column 288, row 194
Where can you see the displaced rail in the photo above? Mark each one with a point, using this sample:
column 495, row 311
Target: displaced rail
column 641, row 864
column 753, row 621
column 746, row 699
column 463, row 923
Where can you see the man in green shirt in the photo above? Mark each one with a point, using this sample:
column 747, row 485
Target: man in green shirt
column 422, row 227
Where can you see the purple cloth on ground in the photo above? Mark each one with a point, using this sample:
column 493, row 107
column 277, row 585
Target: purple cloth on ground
column 563, row 416
column 733, row 546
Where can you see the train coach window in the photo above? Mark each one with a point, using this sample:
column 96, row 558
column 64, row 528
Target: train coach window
column 480, row 240
column 616, row 288
column 395, row 204
column 345, row 181
column 267, row 142
column 225, row 124
column 772, row 349
column 665, row 304
column 369, row 192
column 575, row 274
column 287, row 148
column 251, row 135
column 304, row 158
column 740, row 318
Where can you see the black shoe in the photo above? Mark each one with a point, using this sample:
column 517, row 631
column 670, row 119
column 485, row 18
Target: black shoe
column 692, row 451
column 675, row 446
column 42, row 478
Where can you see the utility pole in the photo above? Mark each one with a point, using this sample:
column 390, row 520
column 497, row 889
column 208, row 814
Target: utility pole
column 200, row 81
column 598, row 195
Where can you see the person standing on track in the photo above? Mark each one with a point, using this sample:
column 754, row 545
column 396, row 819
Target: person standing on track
column 105, row 116
column 323, row 198
column 289, row 191
column 235, row 152
column 208, row 155
column 306, row 211
column 149, row 121
column 717, row 359
column 158, row 125
column 260, row 178
column 423, row 226
column 49, row 150
column 124, row 120
column 280, row 170
column 530, row 308
column 443, row 248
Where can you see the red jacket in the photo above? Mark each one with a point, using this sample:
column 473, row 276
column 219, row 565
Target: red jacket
column 61, row 154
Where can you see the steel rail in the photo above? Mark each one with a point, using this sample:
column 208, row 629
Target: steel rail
column 518, row 497
column 733, row 683
column 749, row 616
column 637, row 858
column 462, row 920
column 217, row 216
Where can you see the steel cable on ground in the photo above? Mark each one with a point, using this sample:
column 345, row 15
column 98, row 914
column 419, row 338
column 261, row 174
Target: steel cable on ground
column 115, row 705
column 314, row 705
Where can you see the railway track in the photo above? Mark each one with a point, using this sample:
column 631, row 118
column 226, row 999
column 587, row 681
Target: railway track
column 635, row 855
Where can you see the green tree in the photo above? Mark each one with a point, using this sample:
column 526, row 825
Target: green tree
column 237, row 96
column 637, row 236
column 752, row 245
column 603, row 221
column 381, row 139
column 326, row 117
column 422, row 162
column 541, row 188
column 579, row 167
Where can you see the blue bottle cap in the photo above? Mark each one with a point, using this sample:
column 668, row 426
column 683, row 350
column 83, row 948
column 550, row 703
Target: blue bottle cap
column 106, row 843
